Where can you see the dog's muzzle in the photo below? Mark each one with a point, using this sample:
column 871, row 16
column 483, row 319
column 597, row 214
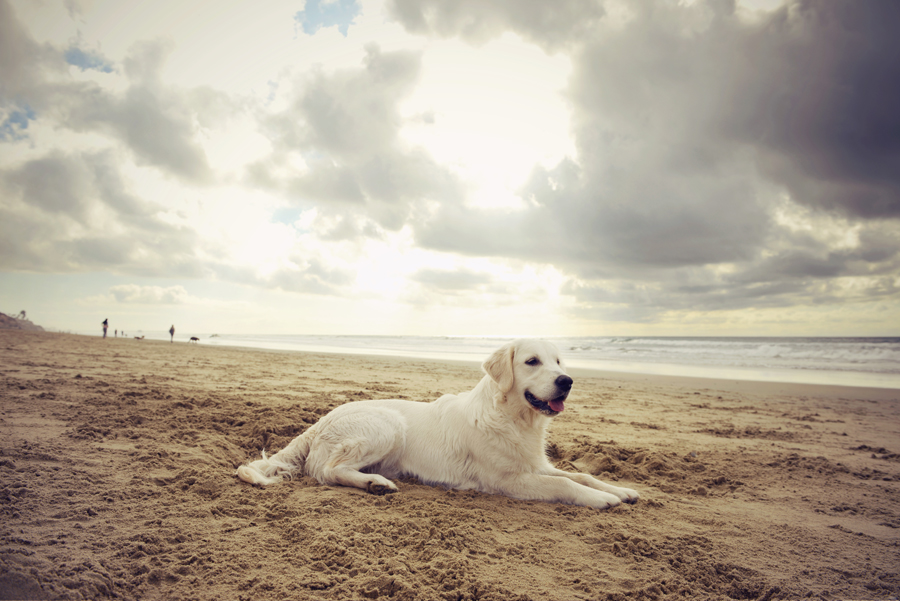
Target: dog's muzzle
column 556, row 405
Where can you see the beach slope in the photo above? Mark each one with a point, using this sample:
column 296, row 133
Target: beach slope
column 117, row 462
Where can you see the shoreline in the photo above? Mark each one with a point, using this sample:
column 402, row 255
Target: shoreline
column 117, row 481
column 711, row 382
column 728, row 377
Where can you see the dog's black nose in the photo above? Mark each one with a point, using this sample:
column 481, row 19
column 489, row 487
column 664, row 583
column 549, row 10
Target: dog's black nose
column 564, row 382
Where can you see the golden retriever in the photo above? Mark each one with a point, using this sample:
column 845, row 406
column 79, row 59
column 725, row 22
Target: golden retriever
column 491, row 439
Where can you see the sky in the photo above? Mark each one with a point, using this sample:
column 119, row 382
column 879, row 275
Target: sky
column 452, row 167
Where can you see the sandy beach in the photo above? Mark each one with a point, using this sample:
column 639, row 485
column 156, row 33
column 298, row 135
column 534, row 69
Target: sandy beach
column 117, row 462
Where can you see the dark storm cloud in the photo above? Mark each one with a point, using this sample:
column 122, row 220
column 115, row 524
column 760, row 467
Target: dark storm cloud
column 690, row 124
column 346, row 125
column 643, row 302
column 876, row 254
column 811, row 90
column 822, row 104
column 609, row 222
column 799, row 270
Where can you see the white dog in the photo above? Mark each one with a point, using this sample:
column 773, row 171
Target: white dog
column 490, row 439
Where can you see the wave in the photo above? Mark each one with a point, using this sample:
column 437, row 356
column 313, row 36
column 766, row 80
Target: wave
column 860, row 356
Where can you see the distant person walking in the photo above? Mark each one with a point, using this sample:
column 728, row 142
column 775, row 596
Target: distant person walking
column 105, row 327
column 172, row 333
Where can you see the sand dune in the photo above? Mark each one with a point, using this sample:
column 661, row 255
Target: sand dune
column 116, row 481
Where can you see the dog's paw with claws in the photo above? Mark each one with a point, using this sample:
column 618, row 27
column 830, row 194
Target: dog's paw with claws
column 379, row 489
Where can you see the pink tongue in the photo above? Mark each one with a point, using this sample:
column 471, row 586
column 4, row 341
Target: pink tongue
column 557, row 405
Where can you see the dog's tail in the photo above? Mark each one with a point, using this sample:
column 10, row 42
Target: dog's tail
column 285, row 462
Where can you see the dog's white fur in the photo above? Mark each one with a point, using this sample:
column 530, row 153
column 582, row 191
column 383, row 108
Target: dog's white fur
column 490, row 439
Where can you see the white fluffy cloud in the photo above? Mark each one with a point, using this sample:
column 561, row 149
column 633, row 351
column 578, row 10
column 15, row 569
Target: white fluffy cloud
column 344, row 128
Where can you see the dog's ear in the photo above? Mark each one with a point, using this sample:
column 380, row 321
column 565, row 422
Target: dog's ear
column 499, row 367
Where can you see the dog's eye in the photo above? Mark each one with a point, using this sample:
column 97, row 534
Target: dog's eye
column 533, row 361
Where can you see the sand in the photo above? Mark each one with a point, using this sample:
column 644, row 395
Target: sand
column 117, row 480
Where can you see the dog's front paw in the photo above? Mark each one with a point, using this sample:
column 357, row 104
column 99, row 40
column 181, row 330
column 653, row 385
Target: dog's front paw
column 375, row 488
column 626, row 494
column 600, row 500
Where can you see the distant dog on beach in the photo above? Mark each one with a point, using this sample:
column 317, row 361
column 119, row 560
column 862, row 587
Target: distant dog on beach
column 138, row 337
column 194, row 339
column 490, row 439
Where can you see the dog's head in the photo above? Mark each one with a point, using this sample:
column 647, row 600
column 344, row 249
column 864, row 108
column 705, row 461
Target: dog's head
column 532, row 372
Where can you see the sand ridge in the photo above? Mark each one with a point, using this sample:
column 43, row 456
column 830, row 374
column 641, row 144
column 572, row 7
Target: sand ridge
column 117, row 480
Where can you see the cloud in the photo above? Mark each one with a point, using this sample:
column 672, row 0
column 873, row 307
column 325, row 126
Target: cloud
column 717, row 162
column 317, row 14
column 73, row 212
column 24, row 67
column 346, row 127
column 451, row 281
column 820, row 104
column 55, row 183
column 149, row 295
column 306, row 271
column 156, row 122
column 312, row 276
column 24, row 63
column 696, row 129
column 550, row 24
column 351, row 113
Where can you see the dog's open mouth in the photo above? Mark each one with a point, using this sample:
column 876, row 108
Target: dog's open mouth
column 551, row 407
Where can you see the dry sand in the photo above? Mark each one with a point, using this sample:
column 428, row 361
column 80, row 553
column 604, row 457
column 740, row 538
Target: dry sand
column 116, row 481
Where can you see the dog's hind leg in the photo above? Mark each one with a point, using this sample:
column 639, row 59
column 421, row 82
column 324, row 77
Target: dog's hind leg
column 366, row 438
column 345, row 471
column 288, row 460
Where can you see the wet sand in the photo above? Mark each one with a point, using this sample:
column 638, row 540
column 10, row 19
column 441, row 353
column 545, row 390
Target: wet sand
column 117, row 480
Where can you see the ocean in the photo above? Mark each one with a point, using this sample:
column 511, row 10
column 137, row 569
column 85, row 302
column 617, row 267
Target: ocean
column 871, row 362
